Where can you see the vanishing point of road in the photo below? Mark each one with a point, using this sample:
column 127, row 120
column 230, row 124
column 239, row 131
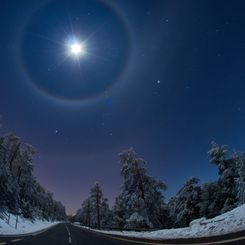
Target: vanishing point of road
column 68, row 234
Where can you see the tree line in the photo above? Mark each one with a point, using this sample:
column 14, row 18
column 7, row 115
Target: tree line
column 141, row 202
column 20, row 192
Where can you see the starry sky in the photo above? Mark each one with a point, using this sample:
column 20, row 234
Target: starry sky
column 165, row 77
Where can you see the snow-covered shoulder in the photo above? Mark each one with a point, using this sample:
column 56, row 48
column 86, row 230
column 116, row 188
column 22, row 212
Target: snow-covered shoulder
column 24, row 226
column 229, row 222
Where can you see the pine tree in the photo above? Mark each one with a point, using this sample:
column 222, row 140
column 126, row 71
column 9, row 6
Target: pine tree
column 95, row 211
column 84, row 215
column 209, row 203
column 239, row 159
column 140, row 203
column 226, row 195
column 96, row 200
column 106, row 213
column 185, row 205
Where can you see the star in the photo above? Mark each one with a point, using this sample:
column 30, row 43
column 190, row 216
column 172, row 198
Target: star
column 158, row 81
column 56, row 131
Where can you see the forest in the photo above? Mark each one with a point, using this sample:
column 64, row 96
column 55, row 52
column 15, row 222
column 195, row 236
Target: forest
column 20, row 192
column 141, row 203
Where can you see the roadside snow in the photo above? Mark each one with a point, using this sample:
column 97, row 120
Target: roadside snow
column 24, row 225
column 229, row 222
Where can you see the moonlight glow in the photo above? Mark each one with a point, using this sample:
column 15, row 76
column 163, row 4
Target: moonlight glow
column 77, row 49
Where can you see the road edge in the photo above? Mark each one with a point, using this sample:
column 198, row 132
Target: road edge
column 167, row 241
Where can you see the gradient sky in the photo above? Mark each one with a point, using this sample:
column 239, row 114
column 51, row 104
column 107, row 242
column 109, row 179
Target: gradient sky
column 165, row 77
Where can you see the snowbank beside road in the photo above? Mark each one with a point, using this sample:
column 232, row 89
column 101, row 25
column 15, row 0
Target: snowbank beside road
column 229, row 222
column 24, row 225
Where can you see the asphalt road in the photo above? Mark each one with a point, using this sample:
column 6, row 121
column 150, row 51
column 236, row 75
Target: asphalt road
column 67, row 234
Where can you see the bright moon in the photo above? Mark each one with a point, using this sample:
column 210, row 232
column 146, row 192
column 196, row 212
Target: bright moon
column 77, row 49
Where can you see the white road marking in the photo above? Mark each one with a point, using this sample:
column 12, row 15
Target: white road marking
column 3, row 243
column 199, row 243
column 16, row 240
column 163, row 243
column 69, row 234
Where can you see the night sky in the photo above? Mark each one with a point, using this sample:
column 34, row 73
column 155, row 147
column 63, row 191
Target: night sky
column 163, row 77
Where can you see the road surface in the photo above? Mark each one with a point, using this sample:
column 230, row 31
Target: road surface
column 68, row 234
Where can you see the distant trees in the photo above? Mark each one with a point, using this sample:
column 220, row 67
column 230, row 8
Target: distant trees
column 96, row 200
column 19, row 189
column 100, row 215
column 83, row 215
column 95, row 210
column 140, row 203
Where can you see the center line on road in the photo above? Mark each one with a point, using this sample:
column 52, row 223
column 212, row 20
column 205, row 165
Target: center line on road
column 16, row 240
column 69, row 234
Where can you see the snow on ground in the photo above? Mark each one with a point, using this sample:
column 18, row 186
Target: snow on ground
column 24, row 225
column 229, row 222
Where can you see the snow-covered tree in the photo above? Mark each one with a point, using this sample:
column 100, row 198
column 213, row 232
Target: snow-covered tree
column 95, row 210
column 96, row 200
column 209, row 203
column 84, row 214
column 106, row 213
column 226, row 194
column 218, row 155
column 140, row 203
column 239, row 159
column 185, row 205
column 19, row 190
column 228, row 191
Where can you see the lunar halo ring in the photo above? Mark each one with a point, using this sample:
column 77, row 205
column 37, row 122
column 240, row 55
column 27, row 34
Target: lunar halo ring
column 84, row 100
